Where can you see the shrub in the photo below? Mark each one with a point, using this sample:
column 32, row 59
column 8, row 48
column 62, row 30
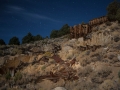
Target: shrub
column 100, row 75
column 15, row 51
column 108, row 23
column 84, row 62
column 112, row 10
column 37, row 38
column 84, row 86
column 96, row 79
column 58, row 33
column 18, row 76
column 28, row 38
column 87, row 52
column 14, row 41
column 1, row 52
column 7, row 75
column 107, row 85
column 2, row 42
column 104, row 72
column 48, row 54
column 85, row 72
column 119, row 74
column 118, row 15
column 43, row 68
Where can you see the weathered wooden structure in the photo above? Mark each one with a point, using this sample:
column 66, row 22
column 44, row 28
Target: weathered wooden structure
column 97, row 21
column 82, row 30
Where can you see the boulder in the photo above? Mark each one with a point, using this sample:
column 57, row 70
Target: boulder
column 67, row 52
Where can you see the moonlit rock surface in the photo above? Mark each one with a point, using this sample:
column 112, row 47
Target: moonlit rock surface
column 118, row 57
column 59, row 88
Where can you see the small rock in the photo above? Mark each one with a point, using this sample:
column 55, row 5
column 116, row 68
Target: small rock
column 59, row 88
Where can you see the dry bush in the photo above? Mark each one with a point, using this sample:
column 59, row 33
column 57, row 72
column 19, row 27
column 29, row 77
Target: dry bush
column 84, row 86
column 104, row 72
column 107, row 85
column 46, row 85
column 114, row 60
column 18, row 76
column 108, row 23
column 87, row 52
column 16, row 51
column 119, row 74
column 48, row 54
column 96, row 79
column 2, row 80
column 116, row 38
column 112, row 57
column 100, row 75
column 1, row 52
column 43, row 67
column 97, row 56
column 69, row 85
column 84, row 62
column 61, row 83
column 85, row 71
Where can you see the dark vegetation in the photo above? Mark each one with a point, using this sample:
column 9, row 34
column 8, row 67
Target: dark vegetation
column 30, row 38
column 58, row 33
column 2, row 42
column 113, row 11
column 14, row 41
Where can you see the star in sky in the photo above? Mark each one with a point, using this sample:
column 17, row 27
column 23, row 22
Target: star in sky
column 19, row 17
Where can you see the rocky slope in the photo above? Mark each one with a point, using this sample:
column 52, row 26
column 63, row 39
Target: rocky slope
column 64, row 64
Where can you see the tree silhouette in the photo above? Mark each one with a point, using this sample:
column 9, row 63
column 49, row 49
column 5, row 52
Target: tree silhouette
column 58, row 33
column 28, row 38
column 2, row 42
column 37, row 38
column 112, row 10
column 14, row 41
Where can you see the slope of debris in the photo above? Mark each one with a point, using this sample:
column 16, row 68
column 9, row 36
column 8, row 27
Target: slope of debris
column 64, row 64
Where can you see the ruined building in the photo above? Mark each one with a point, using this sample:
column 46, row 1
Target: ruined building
column 82, row 30
column 88, row 38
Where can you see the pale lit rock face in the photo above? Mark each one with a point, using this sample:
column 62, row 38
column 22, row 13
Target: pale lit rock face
column 97, row 38
column 32, row 59
column 36, row 49
column 66, row 52
column 76, row 66
column 24, row 58
column 71, row 42
column 47, row 47
column 46, row 84
column 30, row 70
column 118, row 57
column 59, row 88
column 80, row 41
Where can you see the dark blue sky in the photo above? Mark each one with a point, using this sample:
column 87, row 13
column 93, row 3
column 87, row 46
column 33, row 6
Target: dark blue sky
column 18, row 17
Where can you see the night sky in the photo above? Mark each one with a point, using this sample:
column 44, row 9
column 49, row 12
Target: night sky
column 18, row 17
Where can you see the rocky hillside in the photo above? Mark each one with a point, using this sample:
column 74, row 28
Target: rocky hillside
column 64, row 64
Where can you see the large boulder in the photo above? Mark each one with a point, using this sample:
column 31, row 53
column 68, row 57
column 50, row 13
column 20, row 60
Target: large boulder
column 67, row 52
